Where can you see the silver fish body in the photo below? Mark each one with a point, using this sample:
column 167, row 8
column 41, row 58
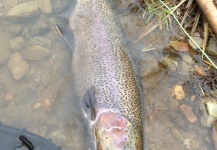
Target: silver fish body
column 100, row 61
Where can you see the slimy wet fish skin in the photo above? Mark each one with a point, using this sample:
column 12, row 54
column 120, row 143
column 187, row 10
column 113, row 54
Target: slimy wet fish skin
column 104, row 77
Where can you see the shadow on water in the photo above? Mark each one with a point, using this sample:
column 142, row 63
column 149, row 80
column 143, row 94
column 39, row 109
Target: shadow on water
column 36, row 81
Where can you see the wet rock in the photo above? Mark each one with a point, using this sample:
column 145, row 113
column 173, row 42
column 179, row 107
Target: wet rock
column 179, row 46
column 40, row 27
column 18, row 66
column 35, row 53
column 5, row 48
column 24, row 10
column 26, row 33
column 59, row 5
column 186, row 63
column 209, row 111
column 199, row 70
column 212, row 47
column 198, row 40
column 15, row 29
column 12, row 3
column 40, row 41
column 171, row 64
column 212, row 108
column 44, row 6
column 214, row 135
column 188, row 113
column 188, row 59
column 17, row 43
column 179, row 92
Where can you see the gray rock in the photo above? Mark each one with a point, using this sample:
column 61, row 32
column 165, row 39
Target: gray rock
column 15, row 29
column 25, row 33
column 18, row 66
column 40, row 27
column 17, row 43
column 186, row 63
column 44, row 6
column 188, row 59
column 212, row 47
column 35, row 53
column 198, row 40
column 24, row 10
column 40, row 41
column 5, row 48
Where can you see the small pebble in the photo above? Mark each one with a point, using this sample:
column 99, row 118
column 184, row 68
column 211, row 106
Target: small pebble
column 37, row 105
column 9, row 97
column 46, row 102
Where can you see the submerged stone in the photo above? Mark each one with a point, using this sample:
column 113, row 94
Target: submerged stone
column 35, row 53
column 18, row 66
column 212, row 47
column 24, row 10
column 17, row 43
column 44, row 6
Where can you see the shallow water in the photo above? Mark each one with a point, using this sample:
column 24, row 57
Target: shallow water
column 42, row 100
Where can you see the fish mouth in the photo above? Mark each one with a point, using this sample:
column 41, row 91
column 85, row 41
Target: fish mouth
column 113, row 131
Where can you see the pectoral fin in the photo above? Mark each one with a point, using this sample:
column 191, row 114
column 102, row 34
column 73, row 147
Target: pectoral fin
column 89, row 103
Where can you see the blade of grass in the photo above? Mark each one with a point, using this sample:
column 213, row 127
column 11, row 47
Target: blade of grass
column 213, row 64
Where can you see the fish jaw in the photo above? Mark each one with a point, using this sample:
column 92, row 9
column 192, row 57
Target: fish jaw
column 115, row 132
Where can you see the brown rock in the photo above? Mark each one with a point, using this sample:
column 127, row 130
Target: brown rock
column 24, row 10
column 188, row 113
column 18, row 66
column 35, row 53
column 17, row 43
column 180, row 46
column 199, row 70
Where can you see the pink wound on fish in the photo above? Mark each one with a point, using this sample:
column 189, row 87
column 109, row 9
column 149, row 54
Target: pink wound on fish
column 113, row 127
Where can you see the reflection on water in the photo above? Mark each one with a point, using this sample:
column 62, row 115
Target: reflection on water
column 35, row 80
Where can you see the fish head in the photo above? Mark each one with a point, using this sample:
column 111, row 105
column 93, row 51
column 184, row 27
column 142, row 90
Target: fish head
column 115, row 132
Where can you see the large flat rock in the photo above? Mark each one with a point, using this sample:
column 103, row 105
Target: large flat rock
column 24, row 10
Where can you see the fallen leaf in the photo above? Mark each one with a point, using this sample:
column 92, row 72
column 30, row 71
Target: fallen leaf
column 180, row 46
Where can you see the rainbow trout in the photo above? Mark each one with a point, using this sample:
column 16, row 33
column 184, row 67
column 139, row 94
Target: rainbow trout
column 104, row 77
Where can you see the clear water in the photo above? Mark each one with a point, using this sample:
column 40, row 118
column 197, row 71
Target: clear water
column 42, row 101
